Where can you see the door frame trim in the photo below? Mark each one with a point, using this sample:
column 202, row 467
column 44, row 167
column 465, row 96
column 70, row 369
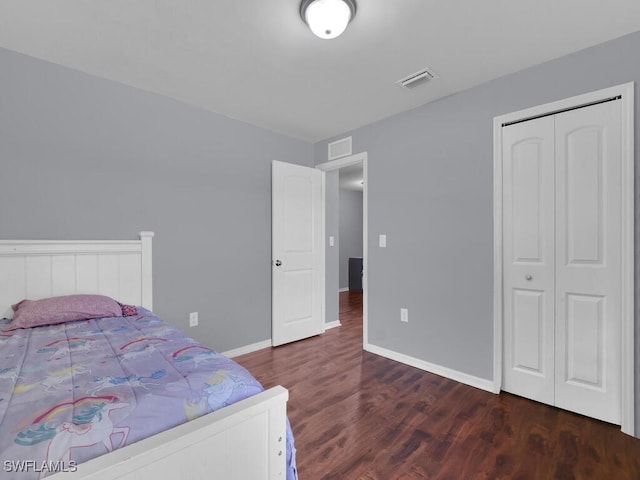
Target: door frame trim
column 335, row 165
column 627, row 374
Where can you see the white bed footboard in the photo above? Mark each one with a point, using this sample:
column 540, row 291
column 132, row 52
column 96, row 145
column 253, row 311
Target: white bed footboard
column 244, row 441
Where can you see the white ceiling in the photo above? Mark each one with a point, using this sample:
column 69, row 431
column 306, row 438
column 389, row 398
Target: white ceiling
column 256, row 61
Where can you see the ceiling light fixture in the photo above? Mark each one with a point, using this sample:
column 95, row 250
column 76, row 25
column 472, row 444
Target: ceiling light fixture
column 327, row 18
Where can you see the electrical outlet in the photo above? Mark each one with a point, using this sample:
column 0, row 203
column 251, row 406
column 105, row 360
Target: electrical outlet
column 404, row 315
column 193, row 319
column 382, row 241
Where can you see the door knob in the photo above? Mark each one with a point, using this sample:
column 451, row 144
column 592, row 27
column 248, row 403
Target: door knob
column 278, row 263
column 528, row 277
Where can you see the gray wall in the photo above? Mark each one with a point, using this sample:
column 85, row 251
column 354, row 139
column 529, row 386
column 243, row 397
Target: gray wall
column 331, row 257
column 350, row 231
column 438, row 217
column 82, row 157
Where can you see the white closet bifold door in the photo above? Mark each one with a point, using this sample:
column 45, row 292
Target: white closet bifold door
column 528, row 196
column 562, row 261
column 588, row 261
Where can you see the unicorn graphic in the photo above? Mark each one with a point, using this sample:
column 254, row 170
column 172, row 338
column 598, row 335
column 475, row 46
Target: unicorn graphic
column 197, row 353
column 102, row 383
column 63, row 348
column 195, row 408
column 91, row 426
column 9, row 373
column 135, row 344
column 162, row 331
column 223, row 388
column 142, row 352
column 54, row 379
column 213, row 394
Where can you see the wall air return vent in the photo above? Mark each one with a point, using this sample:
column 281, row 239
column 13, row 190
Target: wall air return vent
column 340, row 148
column 418, row 78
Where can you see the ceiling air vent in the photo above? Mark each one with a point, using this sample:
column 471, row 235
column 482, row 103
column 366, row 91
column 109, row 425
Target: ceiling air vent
column 417, row 78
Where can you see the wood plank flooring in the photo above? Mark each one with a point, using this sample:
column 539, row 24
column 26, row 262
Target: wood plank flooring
column 356, row 415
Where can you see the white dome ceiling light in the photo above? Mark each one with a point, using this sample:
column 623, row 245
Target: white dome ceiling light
column 327, row 19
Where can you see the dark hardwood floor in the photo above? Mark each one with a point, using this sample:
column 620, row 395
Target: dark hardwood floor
column 356, row 415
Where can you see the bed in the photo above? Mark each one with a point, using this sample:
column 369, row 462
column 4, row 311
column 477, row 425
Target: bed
column 124, row 396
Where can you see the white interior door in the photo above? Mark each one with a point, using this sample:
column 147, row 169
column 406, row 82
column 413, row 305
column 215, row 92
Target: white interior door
column 562, row 261
column 529, row 259
column 297, row 253
column 588, row 261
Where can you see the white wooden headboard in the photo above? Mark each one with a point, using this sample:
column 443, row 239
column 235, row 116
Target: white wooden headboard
column 33, row 269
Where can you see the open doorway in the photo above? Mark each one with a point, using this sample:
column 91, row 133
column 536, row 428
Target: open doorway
column 350, row 244
column 346, row 241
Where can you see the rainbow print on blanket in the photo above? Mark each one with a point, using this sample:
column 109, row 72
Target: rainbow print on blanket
column 74, row 391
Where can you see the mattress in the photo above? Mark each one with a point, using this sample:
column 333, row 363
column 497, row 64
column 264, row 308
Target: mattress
column 74, row 391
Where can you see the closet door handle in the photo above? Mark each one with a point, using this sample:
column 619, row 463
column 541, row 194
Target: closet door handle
column 278, row 263
column 528, row 278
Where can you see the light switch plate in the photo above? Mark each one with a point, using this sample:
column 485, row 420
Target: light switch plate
column 331, row 241
column 383, row 241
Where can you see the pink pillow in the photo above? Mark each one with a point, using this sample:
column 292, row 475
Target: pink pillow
column 49, row 311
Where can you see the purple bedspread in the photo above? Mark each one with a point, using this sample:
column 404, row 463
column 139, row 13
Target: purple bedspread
column 74, row 391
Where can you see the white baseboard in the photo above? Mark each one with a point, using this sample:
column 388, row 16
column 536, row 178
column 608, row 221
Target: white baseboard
column 477, row 382
column 334, row 324
column 247, row 349
column 345, row 289
column 254, row 347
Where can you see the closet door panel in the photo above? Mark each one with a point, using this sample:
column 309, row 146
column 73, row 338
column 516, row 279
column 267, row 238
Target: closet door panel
column 528, row 260
column 588, row 269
